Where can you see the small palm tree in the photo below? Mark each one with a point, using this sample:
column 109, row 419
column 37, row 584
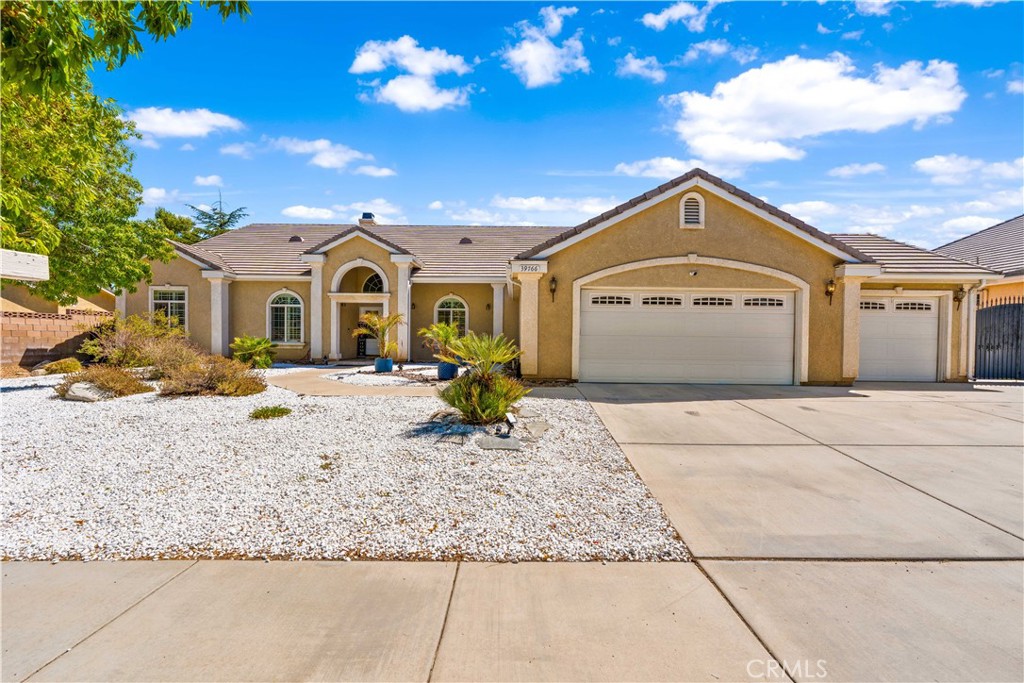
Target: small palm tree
column 379, row 327
column 485, row 355
column 439, row 337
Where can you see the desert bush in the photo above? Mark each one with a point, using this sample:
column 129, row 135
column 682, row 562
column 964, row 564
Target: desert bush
column 126, row 342
column 481, row 399
column 113, row 380
column 63, row 366
column 165, row 354
column 212, row 376
column 269, row 412
column 257, row 352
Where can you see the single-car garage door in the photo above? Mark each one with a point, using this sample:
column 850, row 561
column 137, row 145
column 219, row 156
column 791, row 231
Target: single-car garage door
column 681, row 336
column 899, row 339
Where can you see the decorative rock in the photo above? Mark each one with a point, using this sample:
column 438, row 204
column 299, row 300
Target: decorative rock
column 526, row 413
column 38, row 372
column 500, row 443
column 537, row 429
column 83, row 391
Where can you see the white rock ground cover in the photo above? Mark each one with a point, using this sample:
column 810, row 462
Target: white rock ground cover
column 341, row 477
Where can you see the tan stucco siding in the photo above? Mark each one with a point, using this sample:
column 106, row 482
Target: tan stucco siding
column 178, row 273
column 479, row 299
column 678, row 276
column 730, row 233
column 248, row 312
column 1003, row 290
column 16, row 298
column 338, row 257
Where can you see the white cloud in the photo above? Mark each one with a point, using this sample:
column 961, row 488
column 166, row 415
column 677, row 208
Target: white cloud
column 308, row 212
column 718, row 48
column 874, row 8
column 148, row 143
column 996, row 202
column 965, row 225
column 536, row 60
column 187, row 147
column 811, row 211
column 239, row 149
column 955, row 169
column 164, row 122
column 590, row 206
column 647, row 68
column 758, row 115
column 375, row 171
column 852, row 170
column 658, row 167
column 1015, row 87
column 436, row 205
column 415, row 90
column 853, row 35
column 209, row 181
column 693, row 18
column 158, row 195
column 323, row 152
column 383, row 211
column 475, row 216
column 823, row 30
column 615, row 41
column 972, row 3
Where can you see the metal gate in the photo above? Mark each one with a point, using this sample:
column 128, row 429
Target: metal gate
column 999, row 351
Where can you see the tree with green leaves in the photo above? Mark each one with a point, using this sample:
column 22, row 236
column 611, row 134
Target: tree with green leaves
column 181, row 228
column 48, row 47
column 215, row 220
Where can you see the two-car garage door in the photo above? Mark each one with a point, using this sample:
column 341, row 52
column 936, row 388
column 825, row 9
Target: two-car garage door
column 686, row 336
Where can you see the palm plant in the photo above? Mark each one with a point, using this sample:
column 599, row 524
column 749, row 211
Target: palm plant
column 256, row 352
column 485, row 355
column 485, row 393
column 379, row 327
column 439, row 337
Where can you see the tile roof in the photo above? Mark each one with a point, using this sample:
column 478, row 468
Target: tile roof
column 268, row 249
column 1000, row 247
column 209, row 258
column 685, row 178
column 898, row 257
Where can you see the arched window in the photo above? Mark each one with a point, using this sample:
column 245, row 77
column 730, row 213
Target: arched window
column 373, row 285
column 691, row 211
column 284, row 318
column 452, row 309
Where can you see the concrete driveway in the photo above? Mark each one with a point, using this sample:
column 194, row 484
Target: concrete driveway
column 877, row 529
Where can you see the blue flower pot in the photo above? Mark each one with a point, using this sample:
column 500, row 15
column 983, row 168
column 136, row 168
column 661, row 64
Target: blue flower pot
column 383, row 364
column 446, row 371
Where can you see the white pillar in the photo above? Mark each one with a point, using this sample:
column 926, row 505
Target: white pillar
column 498, row 309
column 851, row 326
column 403, row 307
column 220, row 316
column 335, row 331
column 316, row 310
column 971, row 304
column 528, row 323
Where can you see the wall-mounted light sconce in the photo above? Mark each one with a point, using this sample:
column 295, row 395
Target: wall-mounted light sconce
column 412, row 306
column 830, row 289
column 488, row 307
column 553, row 286
column 693, row 273
column 959, row 296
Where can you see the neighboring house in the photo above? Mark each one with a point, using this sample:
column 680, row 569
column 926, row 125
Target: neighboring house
column 18, row 299
column 999, row 248
column 694, row 281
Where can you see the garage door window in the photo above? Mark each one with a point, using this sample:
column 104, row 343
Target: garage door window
column 872, row 305
column 913, row 306
column 712, row 301
column 764, row 302
column 611, row 300
column 661, row 301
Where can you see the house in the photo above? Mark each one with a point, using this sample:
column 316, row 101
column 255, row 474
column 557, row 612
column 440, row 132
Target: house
column 999, row 248
column 693, row 281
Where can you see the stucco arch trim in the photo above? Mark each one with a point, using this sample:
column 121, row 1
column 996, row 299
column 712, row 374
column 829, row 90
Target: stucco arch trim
column 339, row 274
column 802, row 289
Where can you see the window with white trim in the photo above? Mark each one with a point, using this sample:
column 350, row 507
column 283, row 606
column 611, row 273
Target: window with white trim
column 286, row 319
column 764, row 302
column 872, row 305
column 610, row 300
column 913, row 306
column 374, row 284
column 712, row 301
column 661, row 301
column 454, row 311
column 173, row 303
column 691, row 211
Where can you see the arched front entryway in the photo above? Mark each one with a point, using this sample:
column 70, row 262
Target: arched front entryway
column 357, row 287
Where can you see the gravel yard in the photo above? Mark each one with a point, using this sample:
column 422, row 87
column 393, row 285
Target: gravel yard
column 341, row 477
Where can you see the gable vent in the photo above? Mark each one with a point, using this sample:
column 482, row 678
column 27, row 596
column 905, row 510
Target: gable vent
column 691, row 212
column 295, row 238
column 465, row 240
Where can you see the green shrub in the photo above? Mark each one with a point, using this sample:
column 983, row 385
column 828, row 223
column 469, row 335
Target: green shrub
column 113, row 380
column 484, row 354
column 212, row 376
column 439, row 338
column 269, row 412
column 63, row 366
column 127, row 342
column 482, row 399
column 257, row 352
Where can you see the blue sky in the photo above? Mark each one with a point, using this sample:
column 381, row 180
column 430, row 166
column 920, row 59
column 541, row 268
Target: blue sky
column 902, row 118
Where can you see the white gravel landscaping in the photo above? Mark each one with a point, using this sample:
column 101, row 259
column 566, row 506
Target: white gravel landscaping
column 362, row 477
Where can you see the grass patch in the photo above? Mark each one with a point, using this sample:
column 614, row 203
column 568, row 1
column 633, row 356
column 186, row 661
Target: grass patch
column 269, row 412
column 114, row 381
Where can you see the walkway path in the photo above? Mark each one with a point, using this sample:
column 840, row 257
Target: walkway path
column 315, row 383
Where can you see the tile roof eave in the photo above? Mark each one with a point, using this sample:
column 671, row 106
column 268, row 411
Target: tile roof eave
column 199, row 254
column 357, row 229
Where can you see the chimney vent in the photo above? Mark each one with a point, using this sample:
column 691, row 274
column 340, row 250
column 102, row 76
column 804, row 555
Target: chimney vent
column 367, row 219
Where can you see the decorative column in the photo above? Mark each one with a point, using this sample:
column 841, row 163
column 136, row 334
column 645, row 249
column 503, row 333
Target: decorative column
column 220, row 313
column 851, row 326
column 498, row 309
column 529, row 328
column 316, row 307
column 335, row 331
column 970, row 302
column 402, row 329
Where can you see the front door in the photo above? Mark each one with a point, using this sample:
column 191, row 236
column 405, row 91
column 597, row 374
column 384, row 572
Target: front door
column 368, row 346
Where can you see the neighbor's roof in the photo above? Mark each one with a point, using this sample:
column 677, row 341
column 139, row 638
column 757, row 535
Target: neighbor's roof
column 898, row 257
column 1000, row 247
column 268, row 249
column 714, row 180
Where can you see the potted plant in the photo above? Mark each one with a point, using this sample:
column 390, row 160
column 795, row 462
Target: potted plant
column 439, row 338
column 379, row 326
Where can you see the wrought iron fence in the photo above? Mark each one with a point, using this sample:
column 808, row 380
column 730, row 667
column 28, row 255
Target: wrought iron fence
column 999, row 350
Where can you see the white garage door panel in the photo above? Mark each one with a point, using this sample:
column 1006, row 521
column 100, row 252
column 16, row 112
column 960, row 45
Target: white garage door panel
column 899, row 345
column 734, row 344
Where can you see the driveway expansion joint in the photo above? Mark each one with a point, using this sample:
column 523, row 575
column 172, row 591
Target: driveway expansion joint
column 444, row 622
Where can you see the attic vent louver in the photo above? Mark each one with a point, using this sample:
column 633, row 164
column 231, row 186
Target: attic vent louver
column 295, row 238
column 465, row 240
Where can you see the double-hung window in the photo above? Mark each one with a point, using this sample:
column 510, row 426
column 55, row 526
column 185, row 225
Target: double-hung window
column 173, row 303
column 286, row 319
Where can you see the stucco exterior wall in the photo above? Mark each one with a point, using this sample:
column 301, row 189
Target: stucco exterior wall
column 248, row 312
column 479, row 299
column 178, row 273
column 730, row 233
column 16, row 298
column 1003, row 290
column 338, row 257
